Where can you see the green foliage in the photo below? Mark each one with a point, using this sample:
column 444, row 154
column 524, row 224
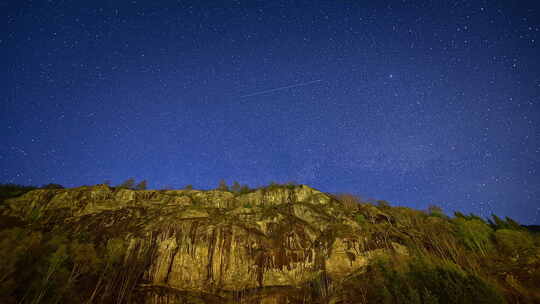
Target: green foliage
column 130, row 183
column 52, row 186
column 274, row 185
column 188, row 187
column 33, row 215
column 447, row 283
column 508, row 223
column 468, row 217
column 421, row 280
column 513, row 242
column 382, row 204
column 360, row 219
column 430, row 258
column 436, row 211
column 475, row 234
column 459, row 214
column 85, row 258
column 115, row 251
column 290, row 184
column 349, row 201
column 44, row 268
column 428, row 297
column 13, row 190
column 15, row 246
column 513, row 224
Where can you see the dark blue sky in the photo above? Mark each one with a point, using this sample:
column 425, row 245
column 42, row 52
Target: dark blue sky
column 414, row 102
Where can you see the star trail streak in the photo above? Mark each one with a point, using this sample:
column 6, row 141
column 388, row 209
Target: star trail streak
column 415, row 102
column 281, row 88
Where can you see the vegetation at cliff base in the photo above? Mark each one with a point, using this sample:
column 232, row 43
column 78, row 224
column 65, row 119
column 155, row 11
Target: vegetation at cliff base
column 99, row 244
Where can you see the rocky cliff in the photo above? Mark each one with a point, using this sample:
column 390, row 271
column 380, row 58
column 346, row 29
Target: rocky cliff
column 282, row 244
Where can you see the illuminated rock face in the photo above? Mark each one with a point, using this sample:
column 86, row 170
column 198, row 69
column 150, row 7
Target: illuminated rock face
column 215, row 246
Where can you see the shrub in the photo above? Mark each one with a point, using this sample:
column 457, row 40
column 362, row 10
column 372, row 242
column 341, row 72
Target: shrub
column 383, row 205
column 52, row 186
column 475, row 234
column 512, row 242
column 447, row 283
column 360, row 219
column 127, row 184
column 13, row 190
column 471, row 216
column 349, row 201
column 508, row 223
column 420, row 280
column 436, row 211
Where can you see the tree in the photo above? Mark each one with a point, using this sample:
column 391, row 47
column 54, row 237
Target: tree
column 235, row 187
column 382, row 204
column 128, row 184
column 349, row 201
column 435, row 210
column 475, row 234
column 141, row 186
column 223, row 185
column 52, row 186
column 459, row 214
column 497, row 222
column 513, row 242
column 507, row 223
column 513, row 224
column 188, row 187
column 244, row 189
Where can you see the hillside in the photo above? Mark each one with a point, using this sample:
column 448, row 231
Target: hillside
column 279, row 244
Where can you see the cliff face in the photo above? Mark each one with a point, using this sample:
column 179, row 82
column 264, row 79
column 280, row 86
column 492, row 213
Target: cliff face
column 274, row 245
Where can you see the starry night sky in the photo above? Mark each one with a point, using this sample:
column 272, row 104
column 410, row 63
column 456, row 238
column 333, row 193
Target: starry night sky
column 413, row 102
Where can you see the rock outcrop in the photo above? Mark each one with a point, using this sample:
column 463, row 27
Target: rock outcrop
column 271, row 245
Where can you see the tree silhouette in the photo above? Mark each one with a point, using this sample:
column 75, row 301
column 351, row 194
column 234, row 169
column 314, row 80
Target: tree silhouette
column 142, row 185
column 223, row 185
column 244, row 189
column 52, row 186
column 235, row 187
column 128, row 184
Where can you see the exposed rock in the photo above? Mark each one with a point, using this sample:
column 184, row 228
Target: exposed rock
column 213, row 245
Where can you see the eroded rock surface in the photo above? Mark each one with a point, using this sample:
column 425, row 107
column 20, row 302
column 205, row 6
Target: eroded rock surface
column 269, row 245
